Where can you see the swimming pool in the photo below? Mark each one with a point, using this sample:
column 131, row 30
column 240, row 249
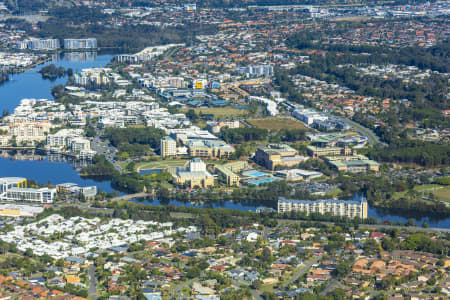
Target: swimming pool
column 256, row 174
column 265, row 180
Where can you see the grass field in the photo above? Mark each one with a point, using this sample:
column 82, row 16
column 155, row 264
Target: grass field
column 160, row 164
column 439, row 191
column 276, row 123
column 219, row 112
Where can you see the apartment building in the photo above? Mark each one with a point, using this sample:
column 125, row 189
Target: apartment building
column 29, row 131
column 39, row 44
column 274, row 155
column 63, row 137
column 168, row 147
column 340, row 208
column 73, row 44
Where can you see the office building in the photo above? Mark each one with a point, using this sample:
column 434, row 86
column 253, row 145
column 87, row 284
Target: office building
column 74, row 44
column 316, row 152
column 168, row 147
column 352, row 163
column 72, row 189
column 215, row 127
column 7, row 183
column 195, row 175
column 339, row 208
column 42, row 195
column 281, row 155
column 210, row 149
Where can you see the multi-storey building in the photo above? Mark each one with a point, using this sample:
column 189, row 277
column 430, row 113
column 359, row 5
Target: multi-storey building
column 39, row 44
column 194, row 175
column 352, row 164
column 7, row 183
column 274, row 155
column 15, row 189
column 168, row 147
column 29, row 131
column 42, row 195
column 73, row 44
column 340, row 208
column 210, row 148
column 316, row 152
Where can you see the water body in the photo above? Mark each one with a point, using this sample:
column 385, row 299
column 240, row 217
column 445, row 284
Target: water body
column 44, row 171
column 31, row 85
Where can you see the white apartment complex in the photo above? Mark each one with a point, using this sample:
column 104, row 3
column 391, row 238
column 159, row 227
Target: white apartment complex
column 339, row 208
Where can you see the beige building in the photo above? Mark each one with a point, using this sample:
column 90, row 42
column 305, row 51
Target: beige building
column 228, row 172
column 168, row 147
column 274, row 155
column 210, row 148
column 352, row 164
column 316, row 152
column 340, row 208
column 194, row 175
column 29, row 131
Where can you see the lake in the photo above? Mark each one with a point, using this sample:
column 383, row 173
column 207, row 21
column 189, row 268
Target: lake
column 31, row 85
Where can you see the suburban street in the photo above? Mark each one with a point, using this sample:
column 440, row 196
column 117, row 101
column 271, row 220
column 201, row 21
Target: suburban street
column 302, row 270
column 108, row 151
column 92, row 291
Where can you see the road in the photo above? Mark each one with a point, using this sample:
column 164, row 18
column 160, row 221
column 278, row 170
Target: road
column 373, row 138
column 177, row 290
column 331, row 286
column 92, row 291
column 108, row 151
column 300, row 272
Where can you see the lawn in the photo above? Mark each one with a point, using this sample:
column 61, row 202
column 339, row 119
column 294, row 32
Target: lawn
column 276, row 124
column 160, row 164
column 220, row 112
column 439, row 191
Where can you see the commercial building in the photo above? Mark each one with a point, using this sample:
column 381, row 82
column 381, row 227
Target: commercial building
column 308, row 116
column 298, row 174
column 340, row 208
column 208, row 148
column 194, row 175
column 73, row 44
column 74, row 190
column 316, row 152
column 168, row 147
column 274, row 155
column 7, row 183
column 215, row 127
column 228, row 171
column 352, row 164
column 42, row 195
